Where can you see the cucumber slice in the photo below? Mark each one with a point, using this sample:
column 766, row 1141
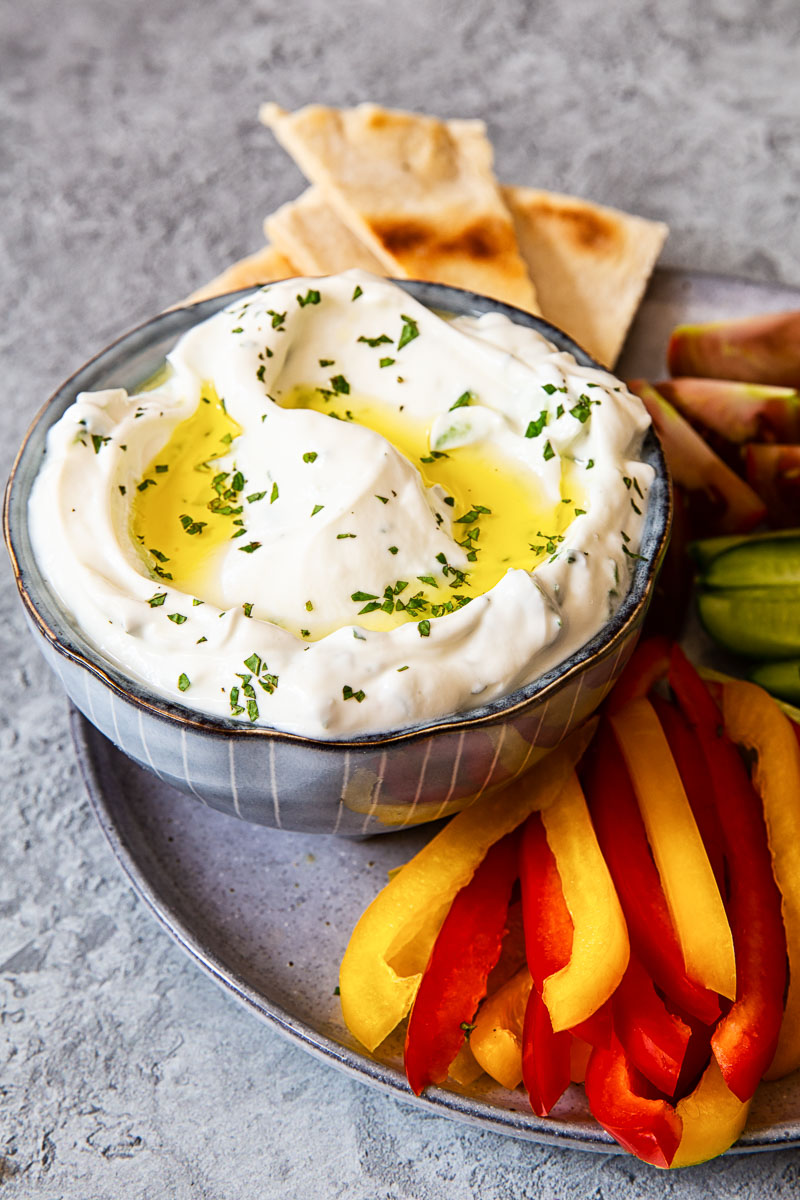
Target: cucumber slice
column 757, row 622
column 780, row 678
column 706, row 550
column 771, row 562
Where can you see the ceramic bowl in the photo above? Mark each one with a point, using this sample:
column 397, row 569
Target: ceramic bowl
column 354, row 787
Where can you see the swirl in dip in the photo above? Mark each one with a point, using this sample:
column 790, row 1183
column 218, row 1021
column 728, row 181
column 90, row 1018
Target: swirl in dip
column 337, row 512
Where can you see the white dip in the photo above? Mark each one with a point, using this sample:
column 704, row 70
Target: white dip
column 470, row 519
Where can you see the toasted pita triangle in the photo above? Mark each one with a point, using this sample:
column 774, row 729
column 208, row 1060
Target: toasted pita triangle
column 590, row 264
column 312, row 234
column 419, row 193
column 265, row 266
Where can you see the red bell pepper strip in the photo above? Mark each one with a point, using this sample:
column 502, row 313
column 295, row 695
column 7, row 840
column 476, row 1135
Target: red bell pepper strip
column 648, row 663
column 693, row 771
column 454, row 981
column 548, row 943
column 653, row 1038
column 546, row 1056
column 624, row 1104
column 621, row 834
column 745, row 1039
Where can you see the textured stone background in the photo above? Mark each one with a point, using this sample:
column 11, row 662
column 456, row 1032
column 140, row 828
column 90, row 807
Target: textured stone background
column 132, row 168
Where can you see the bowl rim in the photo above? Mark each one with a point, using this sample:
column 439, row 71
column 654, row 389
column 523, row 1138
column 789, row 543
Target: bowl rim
column 657, row 527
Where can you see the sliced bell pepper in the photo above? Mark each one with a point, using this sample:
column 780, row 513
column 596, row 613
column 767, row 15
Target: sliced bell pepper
column 496, row 1040
column 545, row 1057
column 454, row 981
column 465, row 1069
column 694, row 775
column 693, row 898
column 600, row 947
column 745, row 1039
column 712, row 1119
column 391, row 944
column 624, row 1104
column 653, row 1038
column 548, row 941
column 621, row 834
column 648, row 663
column 753, row 720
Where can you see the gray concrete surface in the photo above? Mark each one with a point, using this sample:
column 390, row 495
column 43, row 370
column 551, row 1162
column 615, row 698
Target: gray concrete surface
column 132, row 168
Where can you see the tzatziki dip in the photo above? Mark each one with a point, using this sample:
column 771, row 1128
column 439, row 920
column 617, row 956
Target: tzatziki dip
column 337, row 512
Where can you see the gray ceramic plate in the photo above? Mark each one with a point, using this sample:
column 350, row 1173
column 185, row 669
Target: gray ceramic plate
column 268, row 914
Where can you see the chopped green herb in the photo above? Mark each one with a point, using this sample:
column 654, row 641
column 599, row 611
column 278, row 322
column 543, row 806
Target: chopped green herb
column 340, row 385
column 252, row 710
column 359, row 291
column 376, row 341
column 196, row 603
column 310, row 456
column 250, row 547
column 424, row 628
column 146, row 483
column 201, row 639
column 409, row 331
column 399, row 669
column 590, row 464
column 463, row 401
column 260, row 373
column 383, row 499
column 178, row 618
column 254, row 496
column 305, row 633
column 238, row 329
column 360, row 597
column 277, row 318
column 227, row 438
column 386, row 362
column 630, row 553
column 311, row 297
column 184, row 683
column 579, row 512
column 162, row 558
column 349, row 694
column 339, row 536
column 549, row 388
column 98, row 442
column 536, row 427
column 549, row 452
column 326, row 362
column 273, row 496
column 428, row 579
column 317, row 508
column 157, row 600
column 393, row 549
column 122, row 489
column 248, row 609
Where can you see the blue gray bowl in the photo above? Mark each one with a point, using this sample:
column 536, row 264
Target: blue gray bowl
column 355, row 786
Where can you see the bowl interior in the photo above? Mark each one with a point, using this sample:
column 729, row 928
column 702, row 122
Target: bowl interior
column 136, row 357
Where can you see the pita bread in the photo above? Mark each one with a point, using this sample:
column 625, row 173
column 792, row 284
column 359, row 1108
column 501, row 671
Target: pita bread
column 313, row 236
column 265, row 266
column 590, row 264
column 419, row 193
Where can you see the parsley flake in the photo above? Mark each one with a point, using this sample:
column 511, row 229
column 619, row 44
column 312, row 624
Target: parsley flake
column 359, row 291
column 311, row 297
column 409, row 331
column 349, row 694
column 340, row 385
column 250, row 547
column 424, row 628
column 184, row 683
column 157, row 600
column 536, row 427
column 386, row 362
column 273, row 494
column 317, row 508
column 178, row 618
column 549, row 452
column 310, row 456
column 376, row 341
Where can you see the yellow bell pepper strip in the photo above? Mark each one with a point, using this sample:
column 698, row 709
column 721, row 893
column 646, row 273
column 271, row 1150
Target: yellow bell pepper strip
column 392, row 941
column 692, row 895
column 629, row 1109
column 454, row 981
column 745, row 1039
column 753, row 720
column 712, row 1119
column 600, row 946
column 496, row 1040
column 465, row 1069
